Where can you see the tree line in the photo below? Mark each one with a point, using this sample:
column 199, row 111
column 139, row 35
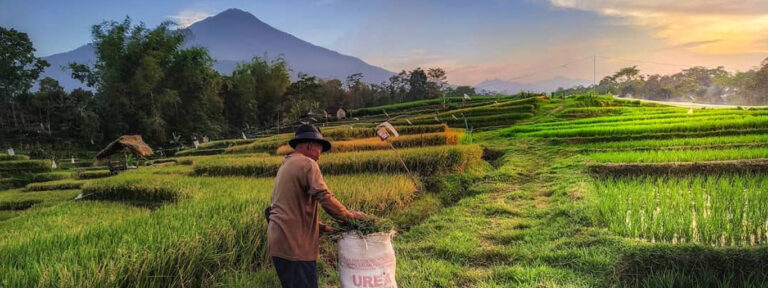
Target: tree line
column 144, row 81
column 696, row 84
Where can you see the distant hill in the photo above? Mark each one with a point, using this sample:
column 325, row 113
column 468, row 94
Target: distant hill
column 234, row 36
column 510, row 87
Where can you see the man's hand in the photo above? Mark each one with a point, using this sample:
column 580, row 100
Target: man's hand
column 327, row 229
column 357, row 215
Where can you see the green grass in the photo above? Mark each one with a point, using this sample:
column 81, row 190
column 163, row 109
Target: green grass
column 684, row 155
column 725, row 210
column 219, row 227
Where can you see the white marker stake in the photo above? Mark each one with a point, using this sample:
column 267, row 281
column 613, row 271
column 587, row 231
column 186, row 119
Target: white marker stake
column 11, row 152
column 244, row 135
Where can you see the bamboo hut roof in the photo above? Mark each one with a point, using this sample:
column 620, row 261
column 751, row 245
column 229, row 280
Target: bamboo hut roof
column 127, row 143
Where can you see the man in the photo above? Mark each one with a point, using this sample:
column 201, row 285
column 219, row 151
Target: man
column 294, row 228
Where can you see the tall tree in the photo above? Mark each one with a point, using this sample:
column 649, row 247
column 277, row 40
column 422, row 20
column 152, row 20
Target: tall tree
column 418, row 85
column 19, row 68
column 257, row 89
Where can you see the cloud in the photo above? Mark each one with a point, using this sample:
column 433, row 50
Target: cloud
column 691, row 24
column 189, row 17
column 687, row 45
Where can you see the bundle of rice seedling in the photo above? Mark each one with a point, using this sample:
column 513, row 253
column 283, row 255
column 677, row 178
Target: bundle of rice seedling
column 365, row 226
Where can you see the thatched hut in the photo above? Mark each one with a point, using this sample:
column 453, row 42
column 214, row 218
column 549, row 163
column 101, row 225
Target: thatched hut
column 126, row 144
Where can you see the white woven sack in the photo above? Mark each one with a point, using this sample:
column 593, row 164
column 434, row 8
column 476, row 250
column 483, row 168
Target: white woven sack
column 367, row 261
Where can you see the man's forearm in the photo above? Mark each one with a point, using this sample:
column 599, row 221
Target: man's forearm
column 332, row 206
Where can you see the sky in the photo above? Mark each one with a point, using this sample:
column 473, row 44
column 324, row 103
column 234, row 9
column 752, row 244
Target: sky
column 522, row 41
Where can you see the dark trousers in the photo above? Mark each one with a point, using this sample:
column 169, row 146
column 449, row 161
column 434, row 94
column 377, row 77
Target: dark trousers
column 296, row 274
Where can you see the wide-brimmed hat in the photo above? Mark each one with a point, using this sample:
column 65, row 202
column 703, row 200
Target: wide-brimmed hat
column 309, row 133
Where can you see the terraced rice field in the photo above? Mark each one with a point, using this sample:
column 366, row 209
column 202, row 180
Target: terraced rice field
column 578, row 192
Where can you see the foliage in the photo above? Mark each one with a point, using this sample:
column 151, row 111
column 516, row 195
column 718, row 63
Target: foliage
column 19, row 68
column 142, row 77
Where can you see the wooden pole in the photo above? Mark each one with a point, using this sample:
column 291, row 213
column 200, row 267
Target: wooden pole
column 413, row 178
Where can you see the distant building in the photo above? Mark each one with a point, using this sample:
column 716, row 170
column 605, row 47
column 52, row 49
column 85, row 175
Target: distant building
column 337, row 112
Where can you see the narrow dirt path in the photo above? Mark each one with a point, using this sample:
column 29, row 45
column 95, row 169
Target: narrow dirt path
column 514, row 233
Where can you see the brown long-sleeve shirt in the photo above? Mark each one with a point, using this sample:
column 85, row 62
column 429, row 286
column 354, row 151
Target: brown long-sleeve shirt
column 294, row 227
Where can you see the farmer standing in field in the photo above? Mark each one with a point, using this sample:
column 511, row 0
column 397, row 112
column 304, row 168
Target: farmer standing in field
column 294, row 228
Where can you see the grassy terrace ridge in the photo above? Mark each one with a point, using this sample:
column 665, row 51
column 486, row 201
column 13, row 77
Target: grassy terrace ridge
column 757, row 139
column 681, row 155
column 580, row 192
column 516, row 99
column 404, row 141
column 424, row 161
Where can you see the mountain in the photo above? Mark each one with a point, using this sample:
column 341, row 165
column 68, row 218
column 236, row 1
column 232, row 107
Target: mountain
column 509, row 87
column 235, row 36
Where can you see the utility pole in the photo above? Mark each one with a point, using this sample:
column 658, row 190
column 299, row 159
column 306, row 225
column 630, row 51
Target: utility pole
column 594, row 75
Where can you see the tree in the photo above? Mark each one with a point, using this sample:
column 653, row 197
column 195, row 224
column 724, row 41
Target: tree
column 302, row 96
column 461, row 90
column 130, row 73
column 257, row 90
column 436, row 82
column 19, row 68
column 418, row 85
column 199, row 109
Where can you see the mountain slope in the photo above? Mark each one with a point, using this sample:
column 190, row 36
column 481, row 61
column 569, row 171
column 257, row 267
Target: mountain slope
column 507, row 87
column 234, row 36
